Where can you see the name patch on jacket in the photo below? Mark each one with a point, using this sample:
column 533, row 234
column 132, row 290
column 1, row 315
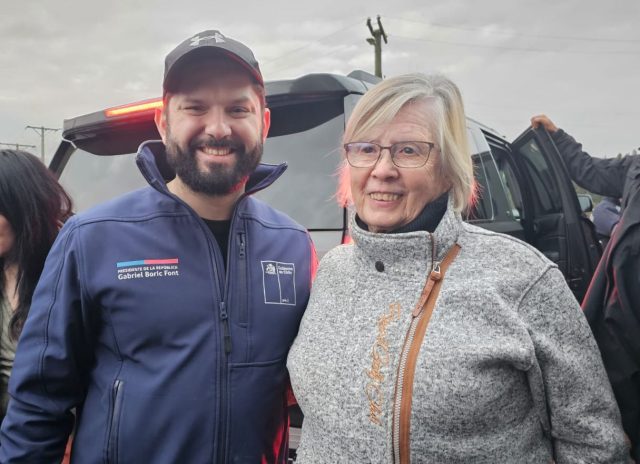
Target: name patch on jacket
column 279, row 282
column 148, row 269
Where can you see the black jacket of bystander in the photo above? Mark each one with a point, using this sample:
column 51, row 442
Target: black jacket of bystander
column 612, row 303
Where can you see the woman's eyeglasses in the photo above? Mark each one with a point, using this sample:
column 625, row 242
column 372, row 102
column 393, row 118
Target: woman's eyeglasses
column 403, row 154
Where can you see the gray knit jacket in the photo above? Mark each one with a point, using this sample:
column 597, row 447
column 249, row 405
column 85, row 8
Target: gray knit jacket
column 507, row 356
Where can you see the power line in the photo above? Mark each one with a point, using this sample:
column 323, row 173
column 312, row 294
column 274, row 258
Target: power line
column 333, row 51
column 522, row 34
column 41, row 130
column 18, row 146
column 308, row 44
column 519, row 49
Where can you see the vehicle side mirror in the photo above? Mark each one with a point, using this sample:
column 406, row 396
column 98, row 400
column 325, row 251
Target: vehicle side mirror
column 586, row 202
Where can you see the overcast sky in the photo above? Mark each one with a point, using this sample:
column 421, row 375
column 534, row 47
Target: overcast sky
column 576, row 60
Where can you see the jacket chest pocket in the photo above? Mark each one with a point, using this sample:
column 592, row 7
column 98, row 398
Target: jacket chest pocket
column 242, row 280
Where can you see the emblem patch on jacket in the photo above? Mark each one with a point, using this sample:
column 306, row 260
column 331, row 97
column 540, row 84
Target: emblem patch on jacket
column 279, row 282
column 148, row 269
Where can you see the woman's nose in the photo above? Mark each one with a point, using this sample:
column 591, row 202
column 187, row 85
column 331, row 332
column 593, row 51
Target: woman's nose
column 384, row 167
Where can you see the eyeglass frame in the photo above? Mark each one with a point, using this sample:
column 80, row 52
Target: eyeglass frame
column 393, row 160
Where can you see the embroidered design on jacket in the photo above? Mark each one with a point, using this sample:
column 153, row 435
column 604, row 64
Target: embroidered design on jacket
column 148, row 268
column 379, row 360
column 279, row 283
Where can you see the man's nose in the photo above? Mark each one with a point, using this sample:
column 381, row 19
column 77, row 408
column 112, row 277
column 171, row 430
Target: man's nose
column 218, row 125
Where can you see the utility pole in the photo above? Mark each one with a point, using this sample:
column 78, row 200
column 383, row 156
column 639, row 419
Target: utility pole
column 41, row 130
column 18, row 146
column 376, row 41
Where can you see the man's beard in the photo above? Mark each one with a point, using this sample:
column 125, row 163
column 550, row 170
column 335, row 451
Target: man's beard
column 215, row 179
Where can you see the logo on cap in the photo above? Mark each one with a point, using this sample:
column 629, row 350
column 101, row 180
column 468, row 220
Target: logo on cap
column 195, row 40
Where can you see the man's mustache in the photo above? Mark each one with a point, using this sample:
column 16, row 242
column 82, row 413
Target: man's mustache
column 214, row 143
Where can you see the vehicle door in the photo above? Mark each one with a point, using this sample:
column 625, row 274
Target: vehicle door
column 552, row 217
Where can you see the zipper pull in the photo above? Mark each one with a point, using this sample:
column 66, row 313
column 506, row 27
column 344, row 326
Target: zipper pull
column 434, row 276
column 435, row 272
column 225, row 327
column 242, row 244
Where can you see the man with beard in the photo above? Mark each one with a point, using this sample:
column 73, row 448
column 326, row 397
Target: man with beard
column 164, row 317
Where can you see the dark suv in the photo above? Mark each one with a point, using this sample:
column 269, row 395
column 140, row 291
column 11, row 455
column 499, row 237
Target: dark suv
column 525, row 190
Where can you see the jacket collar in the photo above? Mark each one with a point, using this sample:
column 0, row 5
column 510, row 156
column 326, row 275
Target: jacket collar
column 152, row 162
column 412, row 245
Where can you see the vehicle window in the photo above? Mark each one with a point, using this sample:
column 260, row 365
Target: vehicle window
column 514, row 208
column 494, row 200
column 514, row 196
column 92, row 179
column 306, row 190
column 482, row 209
column 545, row 191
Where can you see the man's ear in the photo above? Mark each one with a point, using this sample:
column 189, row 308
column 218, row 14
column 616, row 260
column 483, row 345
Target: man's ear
column 266, row 123
column 160, row 118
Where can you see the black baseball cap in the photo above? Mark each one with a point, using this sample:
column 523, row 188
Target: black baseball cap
column 204, row 44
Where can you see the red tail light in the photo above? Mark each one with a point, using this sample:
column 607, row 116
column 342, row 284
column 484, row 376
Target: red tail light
column 131, row 108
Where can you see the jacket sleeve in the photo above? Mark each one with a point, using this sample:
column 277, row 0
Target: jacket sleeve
column 584, row 417
column 623, row 336
column 51, row 359
column 598, row 175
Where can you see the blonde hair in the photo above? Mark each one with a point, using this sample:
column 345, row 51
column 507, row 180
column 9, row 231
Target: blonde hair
column 381, row 104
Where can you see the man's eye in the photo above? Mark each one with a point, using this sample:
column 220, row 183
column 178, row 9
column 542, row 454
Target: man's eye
column 239, row 110
column 195, row 108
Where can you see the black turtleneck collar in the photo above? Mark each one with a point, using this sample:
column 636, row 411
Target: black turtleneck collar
column 428, row 219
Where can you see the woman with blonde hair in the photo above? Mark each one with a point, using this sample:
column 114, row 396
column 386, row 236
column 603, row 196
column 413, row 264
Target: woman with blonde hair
column 431, row 340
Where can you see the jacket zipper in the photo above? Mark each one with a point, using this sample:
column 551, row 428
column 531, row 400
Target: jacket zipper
column 397, row 400
column 404, row 354
column 242, row 279
column 222, row 417
column 226, row 336
column 404, row 389
column 401, row 419
column 224, row 317
column 115, row 421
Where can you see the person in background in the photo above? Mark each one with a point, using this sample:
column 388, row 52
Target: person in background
column 606, row 215
column 33, row 207
column 432, row 340
column 165, row 315
column 612, row 302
